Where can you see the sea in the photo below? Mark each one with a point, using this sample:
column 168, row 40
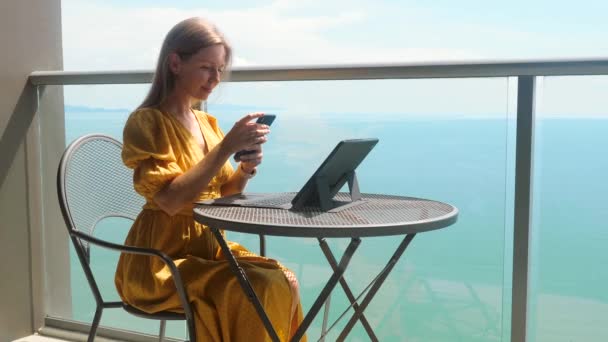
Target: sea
column 452, row 284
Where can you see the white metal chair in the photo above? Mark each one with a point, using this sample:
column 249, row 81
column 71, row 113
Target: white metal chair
column 93, row 184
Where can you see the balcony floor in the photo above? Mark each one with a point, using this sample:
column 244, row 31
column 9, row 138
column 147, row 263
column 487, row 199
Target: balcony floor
column 38, row 338
column 75, row 337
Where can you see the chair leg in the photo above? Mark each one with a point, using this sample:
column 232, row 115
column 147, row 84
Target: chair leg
column 161, row 334
column 95, row 324
column 191, row 332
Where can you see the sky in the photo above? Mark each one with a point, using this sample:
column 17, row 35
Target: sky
column 123, row 35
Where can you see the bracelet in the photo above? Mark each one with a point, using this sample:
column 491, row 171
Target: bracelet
column 247, row 175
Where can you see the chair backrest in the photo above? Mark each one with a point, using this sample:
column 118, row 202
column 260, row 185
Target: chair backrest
column 93, row 184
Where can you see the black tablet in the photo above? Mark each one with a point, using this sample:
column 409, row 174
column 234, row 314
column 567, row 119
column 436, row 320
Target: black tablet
column 334, row 171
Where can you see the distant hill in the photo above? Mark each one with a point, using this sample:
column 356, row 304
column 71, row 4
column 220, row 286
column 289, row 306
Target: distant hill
column 221, row 107
column 85, row 109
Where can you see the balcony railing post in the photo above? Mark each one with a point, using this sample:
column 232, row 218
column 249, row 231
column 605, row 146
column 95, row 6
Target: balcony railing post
column 523, row 205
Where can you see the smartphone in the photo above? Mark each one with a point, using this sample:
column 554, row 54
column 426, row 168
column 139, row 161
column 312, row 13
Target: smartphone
column 267, row 120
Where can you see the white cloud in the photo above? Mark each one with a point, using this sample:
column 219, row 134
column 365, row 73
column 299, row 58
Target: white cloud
column 99, row 36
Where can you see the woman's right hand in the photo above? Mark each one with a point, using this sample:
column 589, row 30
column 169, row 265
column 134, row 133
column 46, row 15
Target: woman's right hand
column 245, row 134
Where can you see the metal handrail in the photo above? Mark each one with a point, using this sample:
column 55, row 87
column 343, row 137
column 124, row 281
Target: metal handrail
column 463, row 69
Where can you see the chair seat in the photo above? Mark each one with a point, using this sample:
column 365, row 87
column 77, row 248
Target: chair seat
column 163, row 315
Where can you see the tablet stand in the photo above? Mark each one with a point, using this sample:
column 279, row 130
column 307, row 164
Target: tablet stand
column 325, row 192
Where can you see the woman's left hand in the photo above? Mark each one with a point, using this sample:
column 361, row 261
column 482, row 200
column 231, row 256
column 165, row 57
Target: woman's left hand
column 250, row 160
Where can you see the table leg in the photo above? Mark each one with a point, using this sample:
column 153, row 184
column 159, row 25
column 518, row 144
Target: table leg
column 245, row 284
column 331, row 283
column 372, row 292
column 325, row 316
column 262, row 245
column 349, row 294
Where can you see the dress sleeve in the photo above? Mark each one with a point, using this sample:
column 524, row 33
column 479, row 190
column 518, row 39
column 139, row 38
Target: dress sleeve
column 148, row 151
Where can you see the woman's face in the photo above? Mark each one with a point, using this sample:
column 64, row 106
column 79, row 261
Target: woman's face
column 199, row 74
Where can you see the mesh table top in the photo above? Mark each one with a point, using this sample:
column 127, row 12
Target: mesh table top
column 377, row 215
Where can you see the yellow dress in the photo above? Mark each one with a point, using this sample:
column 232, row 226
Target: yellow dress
column 159, row 148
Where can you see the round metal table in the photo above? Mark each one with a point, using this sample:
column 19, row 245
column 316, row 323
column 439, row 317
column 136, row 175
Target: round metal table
column 373, row 215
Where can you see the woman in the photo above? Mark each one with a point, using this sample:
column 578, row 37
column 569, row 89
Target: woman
column 180, row 155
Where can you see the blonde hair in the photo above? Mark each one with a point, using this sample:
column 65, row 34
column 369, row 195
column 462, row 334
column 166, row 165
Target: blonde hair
column 185, row 39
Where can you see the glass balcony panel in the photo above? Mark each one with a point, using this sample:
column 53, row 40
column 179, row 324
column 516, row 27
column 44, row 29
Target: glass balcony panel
column 568, row 301
column 100, row 108
column 448, row 139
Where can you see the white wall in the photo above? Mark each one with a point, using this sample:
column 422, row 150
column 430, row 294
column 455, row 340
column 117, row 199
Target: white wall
column 30, row 39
